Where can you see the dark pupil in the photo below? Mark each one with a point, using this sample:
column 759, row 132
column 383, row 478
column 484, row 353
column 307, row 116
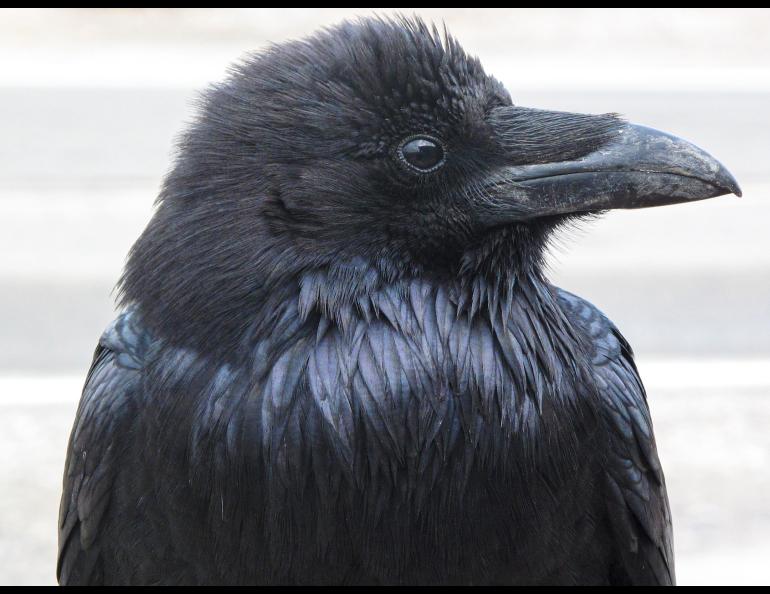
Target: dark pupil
column 422, row 153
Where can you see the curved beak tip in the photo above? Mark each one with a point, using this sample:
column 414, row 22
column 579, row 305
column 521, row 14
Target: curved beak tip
column 727, row 182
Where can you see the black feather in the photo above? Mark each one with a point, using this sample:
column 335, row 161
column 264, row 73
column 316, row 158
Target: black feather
column 328, row 372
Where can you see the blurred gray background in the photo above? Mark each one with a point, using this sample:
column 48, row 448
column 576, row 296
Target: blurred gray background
column 90, row 101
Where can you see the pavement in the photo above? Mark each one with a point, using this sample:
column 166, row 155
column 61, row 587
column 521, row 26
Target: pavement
column 90, row 103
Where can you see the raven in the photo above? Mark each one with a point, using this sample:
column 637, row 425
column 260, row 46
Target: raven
column 340, row 360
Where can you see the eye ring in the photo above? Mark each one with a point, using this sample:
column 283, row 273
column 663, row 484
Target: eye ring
column 433, row 153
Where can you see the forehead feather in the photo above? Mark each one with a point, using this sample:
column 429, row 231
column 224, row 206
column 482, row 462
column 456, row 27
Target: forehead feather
column 376, row 64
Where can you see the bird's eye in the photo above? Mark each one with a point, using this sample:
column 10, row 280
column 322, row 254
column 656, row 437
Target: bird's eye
column 422, row 153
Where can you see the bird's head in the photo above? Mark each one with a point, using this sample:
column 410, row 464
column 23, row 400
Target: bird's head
column 381, row 146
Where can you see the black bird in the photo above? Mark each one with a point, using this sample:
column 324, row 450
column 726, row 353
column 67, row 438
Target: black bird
column 340, row 361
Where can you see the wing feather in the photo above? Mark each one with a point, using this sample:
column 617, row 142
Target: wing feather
column 103, row 418
column 637, row 503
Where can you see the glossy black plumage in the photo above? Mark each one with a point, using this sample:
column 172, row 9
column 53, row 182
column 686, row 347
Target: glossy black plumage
column 425, row 445
column 331, row 372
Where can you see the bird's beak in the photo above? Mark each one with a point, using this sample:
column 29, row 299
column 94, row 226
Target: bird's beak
column 638, row 168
